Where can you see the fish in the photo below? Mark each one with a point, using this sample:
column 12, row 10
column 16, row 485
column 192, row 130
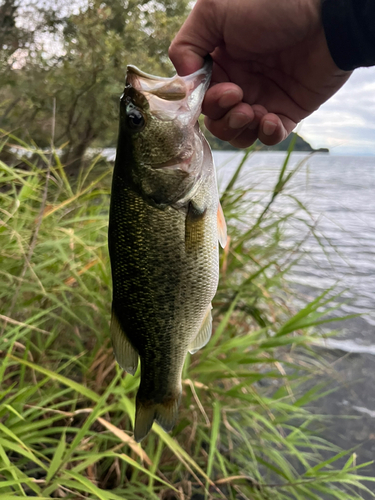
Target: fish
column 165, row 224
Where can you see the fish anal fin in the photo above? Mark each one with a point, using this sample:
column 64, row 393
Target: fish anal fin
column 125, row 354
column 221, row 226
column 204, row 333
column 165, row 414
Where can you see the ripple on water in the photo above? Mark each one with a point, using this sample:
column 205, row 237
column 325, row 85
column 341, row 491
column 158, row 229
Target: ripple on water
column 339, row 193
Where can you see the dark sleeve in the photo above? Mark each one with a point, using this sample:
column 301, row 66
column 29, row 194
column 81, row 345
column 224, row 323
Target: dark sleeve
column 349, row 26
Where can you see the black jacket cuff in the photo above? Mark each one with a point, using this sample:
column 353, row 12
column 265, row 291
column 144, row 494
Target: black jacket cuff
column 349, row 27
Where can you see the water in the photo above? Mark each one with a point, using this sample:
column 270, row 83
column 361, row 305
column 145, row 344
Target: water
column 339, row 192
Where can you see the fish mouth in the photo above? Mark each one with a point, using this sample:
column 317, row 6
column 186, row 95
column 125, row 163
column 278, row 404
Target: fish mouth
column 170, row 89
column 169, row 98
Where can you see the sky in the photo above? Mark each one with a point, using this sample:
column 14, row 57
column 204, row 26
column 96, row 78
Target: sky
column 346, row 123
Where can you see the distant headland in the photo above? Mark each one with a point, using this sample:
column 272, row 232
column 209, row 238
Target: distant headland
column 300, row 144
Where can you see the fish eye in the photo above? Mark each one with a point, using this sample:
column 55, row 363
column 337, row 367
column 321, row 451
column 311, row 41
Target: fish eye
column 135, row 120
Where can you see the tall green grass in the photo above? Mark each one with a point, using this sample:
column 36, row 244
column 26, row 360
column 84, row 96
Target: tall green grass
column 66, row 409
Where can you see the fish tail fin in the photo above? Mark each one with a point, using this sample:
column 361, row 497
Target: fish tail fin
column 165, row 414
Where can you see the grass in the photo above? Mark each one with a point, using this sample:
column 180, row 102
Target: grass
column 66, row 410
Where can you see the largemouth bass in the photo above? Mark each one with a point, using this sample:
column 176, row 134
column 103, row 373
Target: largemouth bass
column 164, row 227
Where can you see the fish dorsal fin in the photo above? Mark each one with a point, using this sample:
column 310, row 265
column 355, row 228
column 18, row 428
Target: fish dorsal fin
column 204, row 333
column 125, row 354
column 221, row 226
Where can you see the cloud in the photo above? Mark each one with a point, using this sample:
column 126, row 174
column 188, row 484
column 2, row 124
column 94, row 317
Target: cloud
column 346, row 123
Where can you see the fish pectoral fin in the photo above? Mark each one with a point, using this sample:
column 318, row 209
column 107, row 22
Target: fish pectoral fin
column 125, row 354
column 221, row 226
column 165, row 414
column 204, row 333
column 194, row 226
column 195, row 212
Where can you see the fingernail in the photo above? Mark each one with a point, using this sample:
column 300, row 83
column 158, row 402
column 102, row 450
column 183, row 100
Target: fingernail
column 229, row 99
column 269, row 127
column 238, row 120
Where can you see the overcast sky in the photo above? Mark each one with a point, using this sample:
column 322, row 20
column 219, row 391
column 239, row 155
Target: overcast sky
column 346, row 123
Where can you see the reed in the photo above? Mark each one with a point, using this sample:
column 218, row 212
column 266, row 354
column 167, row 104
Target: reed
column 66, row 410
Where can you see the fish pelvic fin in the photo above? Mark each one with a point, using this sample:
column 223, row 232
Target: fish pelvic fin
column 125, row 354
column 165, row 414
column 204, row 333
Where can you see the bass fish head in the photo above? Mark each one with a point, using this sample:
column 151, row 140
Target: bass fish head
column 160, row 147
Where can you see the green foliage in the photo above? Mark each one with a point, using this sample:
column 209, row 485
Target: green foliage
column 84, row 70
column 66, row 409
column 12, row 37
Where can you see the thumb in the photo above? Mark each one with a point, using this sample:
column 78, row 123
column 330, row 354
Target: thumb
column 199, row 35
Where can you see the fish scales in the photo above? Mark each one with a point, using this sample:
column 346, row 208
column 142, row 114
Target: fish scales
column 163, row 243
column 169, row 284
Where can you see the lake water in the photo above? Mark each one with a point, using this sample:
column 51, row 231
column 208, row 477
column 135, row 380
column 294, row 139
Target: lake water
column 339, row 192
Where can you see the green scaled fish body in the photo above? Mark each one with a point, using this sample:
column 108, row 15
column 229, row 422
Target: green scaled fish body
column 165, row 223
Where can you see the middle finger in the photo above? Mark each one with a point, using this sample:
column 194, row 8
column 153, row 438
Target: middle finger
column 220, row 98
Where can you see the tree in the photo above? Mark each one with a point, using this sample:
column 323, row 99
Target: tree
column 12, row 39
column 85, row 70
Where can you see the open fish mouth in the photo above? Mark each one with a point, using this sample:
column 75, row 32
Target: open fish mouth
column 178, row 96
column 170, row 89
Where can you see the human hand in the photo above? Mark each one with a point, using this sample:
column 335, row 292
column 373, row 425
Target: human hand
column 272, row 66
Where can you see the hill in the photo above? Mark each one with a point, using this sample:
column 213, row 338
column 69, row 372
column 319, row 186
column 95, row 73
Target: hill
column 300, row 145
